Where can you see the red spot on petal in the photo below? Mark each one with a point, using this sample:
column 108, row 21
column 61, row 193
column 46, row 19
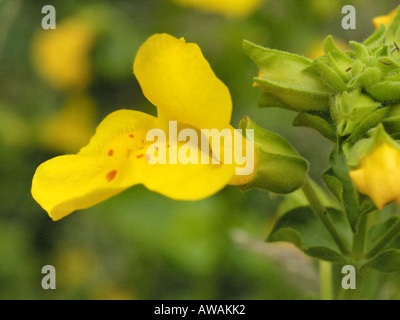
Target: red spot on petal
column 142, row 141
column 128, row 153
column 110, row 152
column 131, row 136
column 147, row 157
column 140, row 156
column 111, row 175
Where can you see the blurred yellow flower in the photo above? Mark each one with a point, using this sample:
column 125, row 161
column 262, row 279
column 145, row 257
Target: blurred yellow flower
column 71, row 127
column 230, row 8
column 385, row 20
column 62, row 56
column 378, row 175
column 175, row 77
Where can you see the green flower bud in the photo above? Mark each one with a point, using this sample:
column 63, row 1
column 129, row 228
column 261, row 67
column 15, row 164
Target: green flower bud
column 286, row 82
column 349, row 109
column 280, row 169
column 337, row 59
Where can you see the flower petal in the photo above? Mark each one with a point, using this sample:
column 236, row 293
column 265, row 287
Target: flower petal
column 378, row 175
column 109, row 164
column 179, row 81
column 188, row 182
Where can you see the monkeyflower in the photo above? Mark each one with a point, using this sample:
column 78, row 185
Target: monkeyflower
column 377, row 173
column 178, row 80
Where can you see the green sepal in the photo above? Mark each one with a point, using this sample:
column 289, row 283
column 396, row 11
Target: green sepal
column 362, row 52
column 370, row 122
column 349, row 109
column 301, row 227
column 280, row 169
column 358, row 69
column 387, row 65
column 393, row 29
column 283, row 78
column 392, row 120
column 278, row 173
column 277, row 95
column 308, row 120
column 321, row 69
column 377, row 38
column 365, row 146
column 386, row 91
column 338, row 60
column 369, row 77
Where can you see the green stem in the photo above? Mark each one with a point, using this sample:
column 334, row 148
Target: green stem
column 359, row 239
column 393, row 232
column 354, row 294
column 325, row 272
column 321, row 213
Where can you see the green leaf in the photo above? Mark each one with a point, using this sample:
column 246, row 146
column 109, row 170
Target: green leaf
column 301, row 227
column 377, row 231
column 304, row 119
column 349, row 194
column 388, row 261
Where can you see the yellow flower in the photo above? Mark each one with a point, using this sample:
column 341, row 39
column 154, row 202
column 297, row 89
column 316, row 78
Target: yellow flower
column 230, row 8
column 385, row 20
column 176, row 78
column 378, row 175
column 61, row 56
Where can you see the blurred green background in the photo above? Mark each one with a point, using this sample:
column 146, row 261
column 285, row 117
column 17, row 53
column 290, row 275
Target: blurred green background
column 140, row 245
